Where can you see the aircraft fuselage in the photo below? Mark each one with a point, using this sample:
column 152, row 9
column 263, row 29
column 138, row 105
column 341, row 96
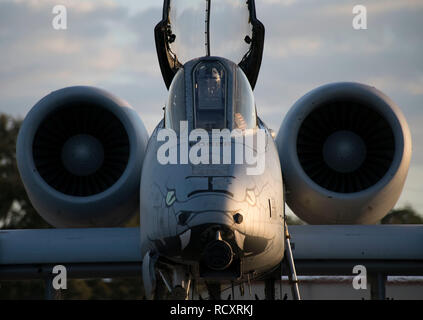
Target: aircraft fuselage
column 186, row 209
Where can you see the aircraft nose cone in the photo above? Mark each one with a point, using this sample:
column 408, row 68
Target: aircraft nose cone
column 82, row 154
column 344, row 151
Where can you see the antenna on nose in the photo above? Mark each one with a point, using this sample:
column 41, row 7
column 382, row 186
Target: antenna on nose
column 207, row 31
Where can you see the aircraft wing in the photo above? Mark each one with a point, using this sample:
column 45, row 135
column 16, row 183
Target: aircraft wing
column 86, row 252
column 115, row 252
column 336, row 249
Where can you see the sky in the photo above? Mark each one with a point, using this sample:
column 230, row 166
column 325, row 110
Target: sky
column 110, row 44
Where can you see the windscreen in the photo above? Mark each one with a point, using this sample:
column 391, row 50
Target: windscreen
column 229, row 31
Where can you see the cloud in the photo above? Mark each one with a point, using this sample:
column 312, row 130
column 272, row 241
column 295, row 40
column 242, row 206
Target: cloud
column 310, row 43
column 280, row 2
column 373, row 7
column 99, row 48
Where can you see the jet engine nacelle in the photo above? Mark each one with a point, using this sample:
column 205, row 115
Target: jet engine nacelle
column 80, row 152
column 345, row 150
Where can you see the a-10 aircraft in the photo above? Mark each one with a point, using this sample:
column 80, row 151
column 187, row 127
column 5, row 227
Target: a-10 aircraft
column 207, row 214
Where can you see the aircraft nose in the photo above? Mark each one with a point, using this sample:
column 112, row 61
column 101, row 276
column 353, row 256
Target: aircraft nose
column 218, row 253
column 215, row 248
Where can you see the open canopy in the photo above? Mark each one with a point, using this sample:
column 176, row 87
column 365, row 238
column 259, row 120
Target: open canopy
column 194, row 28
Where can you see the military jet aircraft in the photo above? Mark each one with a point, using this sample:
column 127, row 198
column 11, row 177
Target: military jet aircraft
column 207, row 213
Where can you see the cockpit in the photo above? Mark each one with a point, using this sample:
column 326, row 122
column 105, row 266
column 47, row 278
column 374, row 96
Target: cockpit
column 211, row 93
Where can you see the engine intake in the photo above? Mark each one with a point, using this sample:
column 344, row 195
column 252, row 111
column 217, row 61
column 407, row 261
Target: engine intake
column 80, row 153
column 345, row 147
column 345, row 150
